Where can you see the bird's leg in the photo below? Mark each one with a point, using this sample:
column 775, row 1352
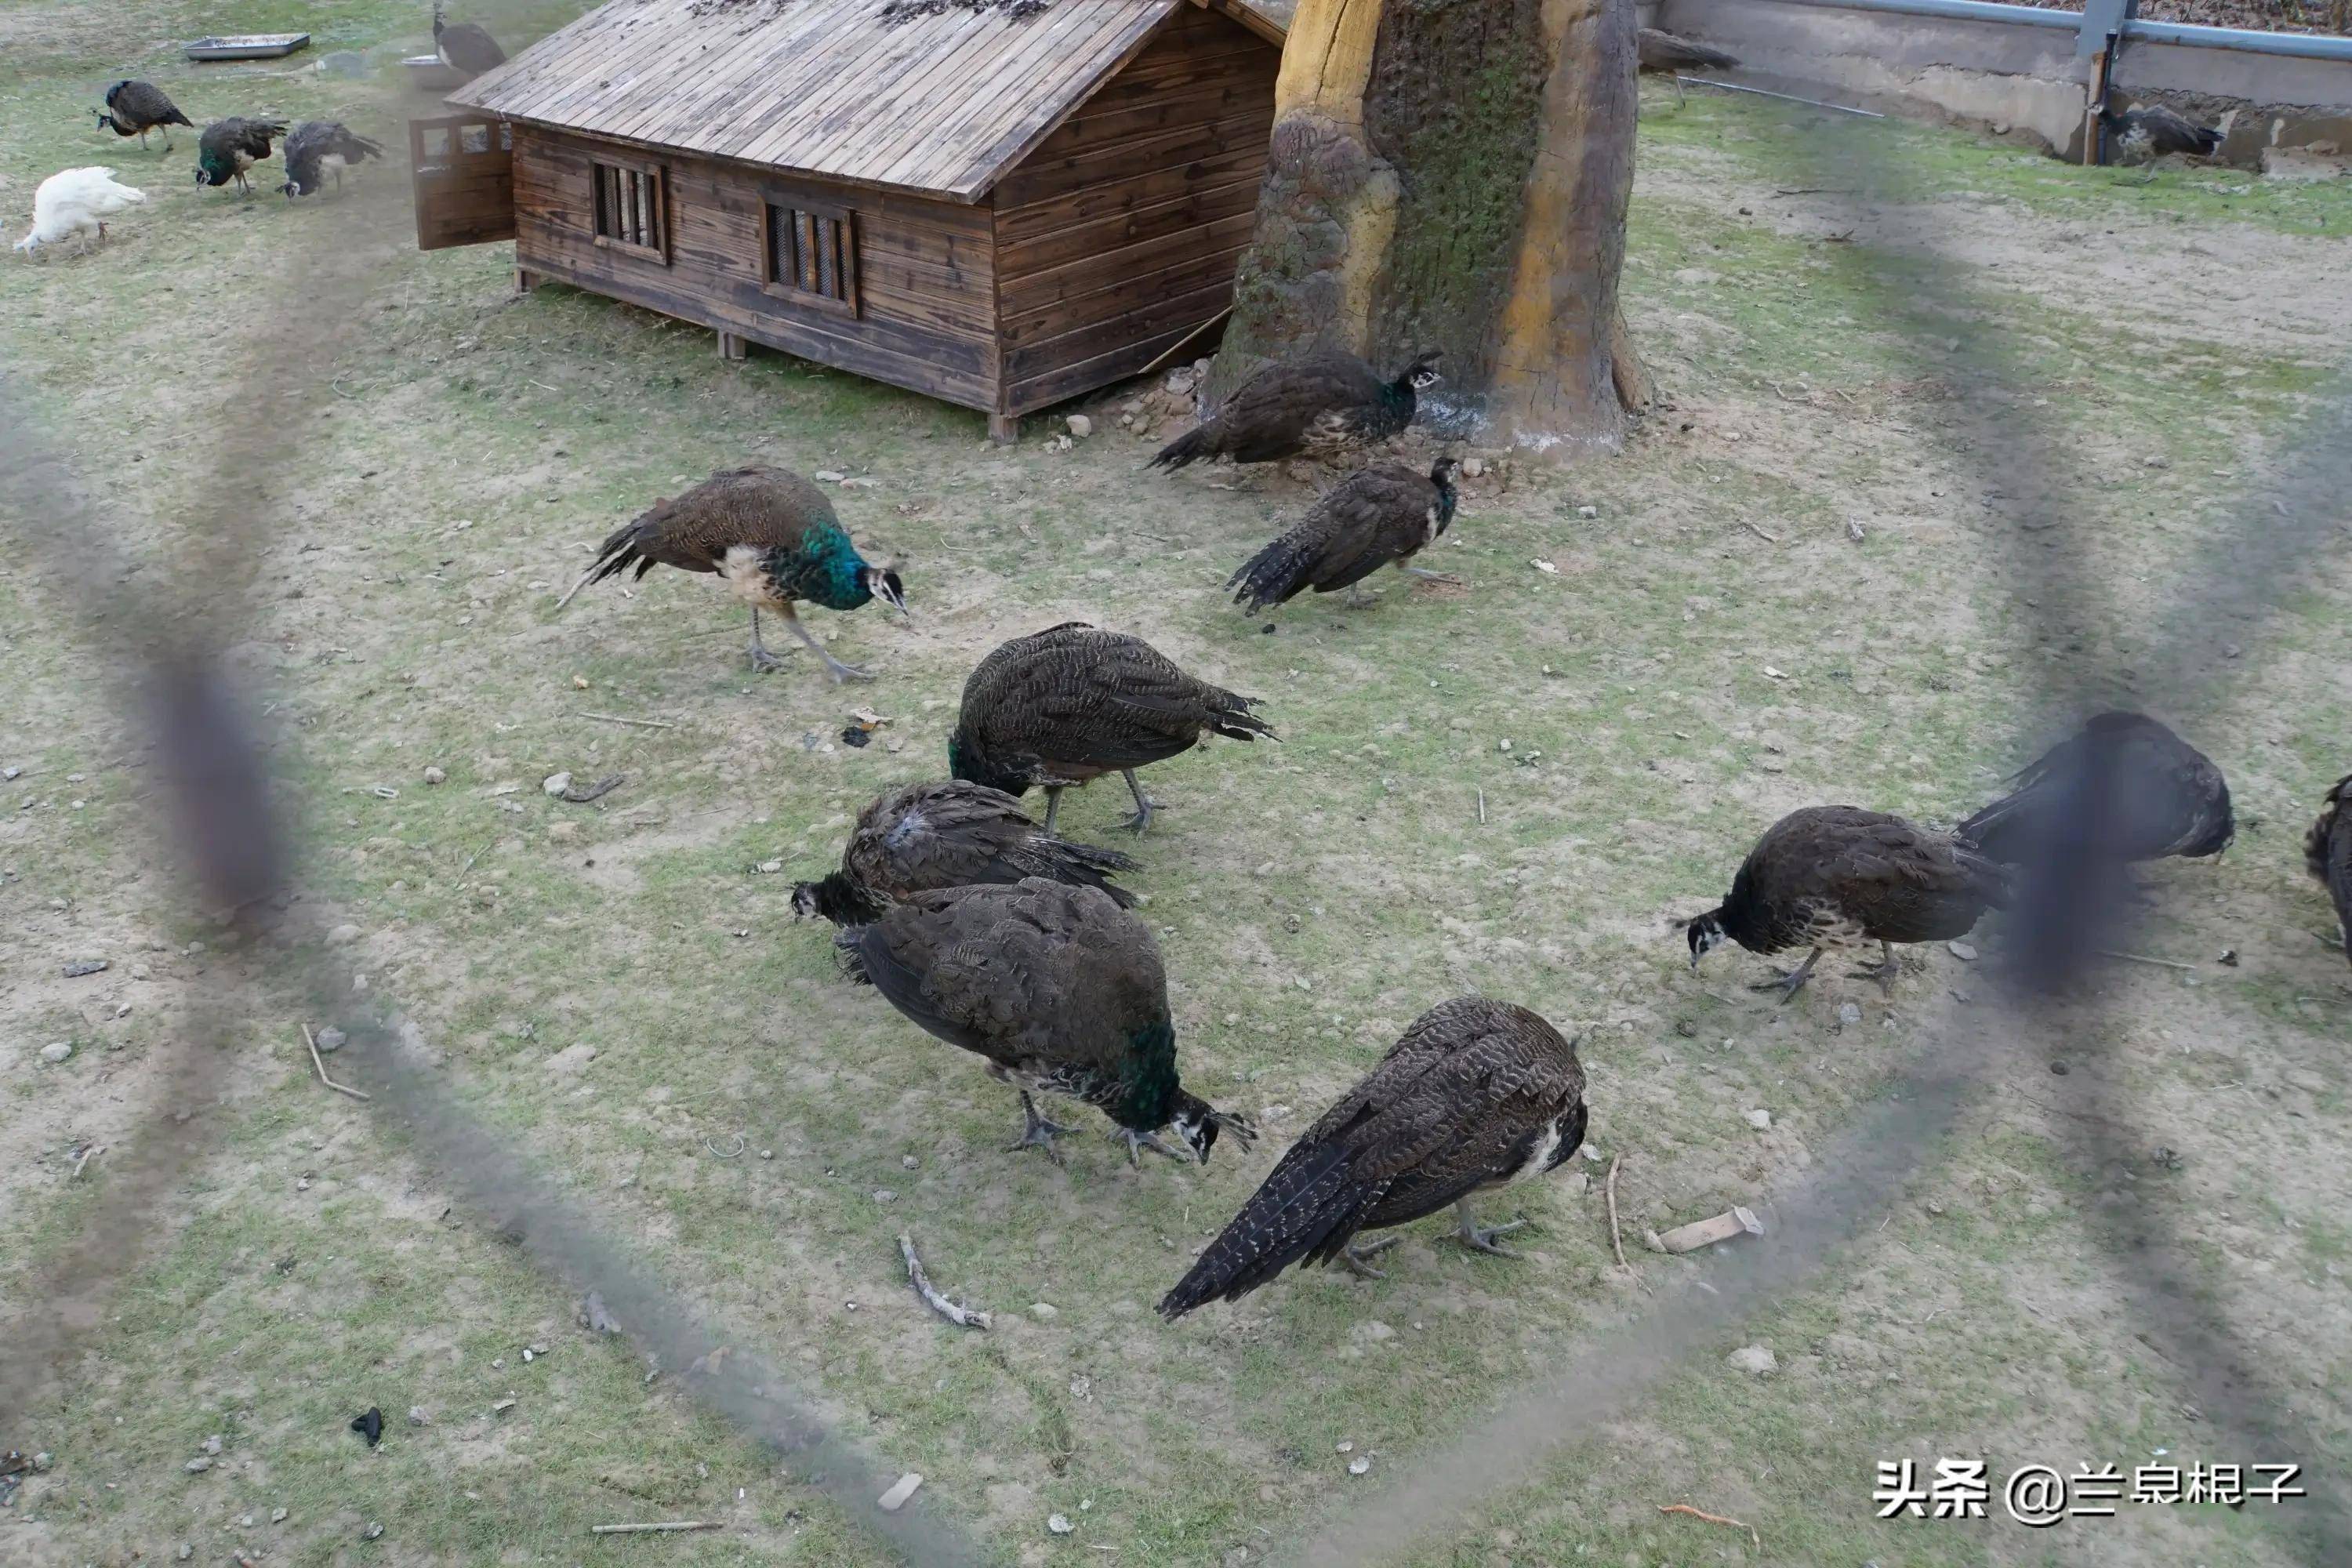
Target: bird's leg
column 761, row 659
column 1473, row 1236
column 839, row 670
column 1427, row 575
column 1792, row 981
column 1053, row 805
column 1355, row 1258
column 1137, row 1142
column 1884, row 971
column 1360, row 598
column 1039, row 1133
column 1143, row 805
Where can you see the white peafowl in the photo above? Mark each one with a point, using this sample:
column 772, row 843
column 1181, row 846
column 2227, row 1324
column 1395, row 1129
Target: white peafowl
column 76, row 201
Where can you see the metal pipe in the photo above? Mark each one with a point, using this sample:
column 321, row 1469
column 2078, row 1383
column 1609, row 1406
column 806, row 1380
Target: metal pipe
column 1783, row 96
column 1957, row 10
column 2297, row 46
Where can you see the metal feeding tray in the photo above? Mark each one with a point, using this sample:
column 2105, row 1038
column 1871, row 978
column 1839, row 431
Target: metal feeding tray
column 247, row 45
column 429, row 74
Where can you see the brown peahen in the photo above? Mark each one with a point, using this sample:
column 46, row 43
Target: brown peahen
column 1837, row 876
column 135, row 107
column 1324, row 404
column 2162, row 797
column 1476, row 1095
column 773, row 535
column 1380, row 515
column 465, row 47
column 321, row 148
column 1073, row 702
column 2327, row 851
column 925, row 836
column 1060, row 989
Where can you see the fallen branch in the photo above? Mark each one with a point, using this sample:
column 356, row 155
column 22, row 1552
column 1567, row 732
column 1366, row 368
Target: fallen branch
column 1767, row 538
column 477, row 855
column 92, row 1152
column 2142, row 958
column 1755, row 1539
column 962, row 1316
column 624, row 719
column 585, row 578
column 319, row 1062
column 667, row 1525
column 1482, row 808
column 1616, row 1241
column 581, row 794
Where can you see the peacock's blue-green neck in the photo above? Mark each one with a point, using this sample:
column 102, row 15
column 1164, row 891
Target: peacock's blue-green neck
column 823, row 569
column 1147, row 1077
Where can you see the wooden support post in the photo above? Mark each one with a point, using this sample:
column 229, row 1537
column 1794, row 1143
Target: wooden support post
column 1004, row 429
column 2095, row 102
column 732, row 347
column 525, row 280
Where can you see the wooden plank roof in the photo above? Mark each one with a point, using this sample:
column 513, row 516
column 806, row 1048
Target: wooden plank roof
column 938, row 104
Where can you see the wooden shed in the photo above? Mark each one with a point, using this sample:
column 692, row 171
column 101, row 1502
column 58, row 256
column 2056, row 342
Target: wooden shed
column 1002, row 210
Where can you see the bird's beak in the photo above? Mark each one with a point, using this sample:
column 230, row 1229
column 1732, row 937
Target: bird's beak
column 898, row 603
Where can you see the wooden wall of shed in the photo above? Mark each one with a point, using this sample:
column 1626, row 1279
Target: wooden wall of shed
column 926, row 285
column 1122, row 232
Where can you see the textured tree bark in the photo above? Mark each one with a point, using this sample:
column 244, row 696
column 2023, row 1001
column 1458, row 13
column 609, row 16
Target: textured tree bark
column 1452, row 174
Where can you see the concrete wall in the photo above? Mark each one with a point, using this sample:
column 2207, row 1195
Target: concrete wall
column 2015, row 76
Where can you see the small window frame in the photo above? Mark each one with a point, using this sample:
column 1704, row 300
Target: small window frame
column 655, row 179
column 810, row 216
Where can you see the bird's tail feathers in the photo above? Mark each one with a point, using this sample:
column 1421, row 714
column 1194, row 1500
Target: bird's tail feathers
column 1192, row 447
column 622, row 548
column 1308, row 1209
column 1274, row 575
column 1231, row 717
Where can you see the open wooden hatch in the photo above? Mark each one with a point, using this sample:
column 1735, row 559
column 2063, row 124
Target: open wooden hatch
column 464, row 177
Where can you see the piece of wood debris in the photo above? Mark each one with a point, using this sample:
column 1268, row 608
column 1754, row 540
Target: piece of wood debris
column 1755, row 1539
column 320, row 1063
column 901, row 1490
column 1767, row 538
column 1690, row 1237
column 2144, row 958
column 962, row 1316
column 1616, row 1240
column 664, row 1527
column 624, row 719
column 581, row 794
column 92, row 1152
column 1482, row 808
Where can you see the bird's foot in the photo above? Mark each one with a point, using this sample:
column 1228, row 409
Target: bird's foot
column 1141, row 819
column 1426, row 575
column 841, row 671
column 1789, row 983
column 1884, row 973
column 1360, row 598
column 1039, row 1133
column 1137, row 1142
column 764, row 662
column 1478, row 1238
column 1356, row 1260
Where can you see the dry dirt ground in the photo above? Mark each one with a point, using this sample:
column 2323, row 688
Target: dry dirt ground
column 1801, row 582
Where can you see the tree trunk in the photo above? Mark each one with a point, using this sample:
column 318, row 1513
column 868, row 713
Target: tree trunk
column 1453, row 175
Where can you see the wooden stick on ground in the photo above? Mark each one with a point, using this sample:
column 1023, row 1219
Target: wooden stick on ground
column 962, row 1316
column 653, row 1529
column 92, row 1152
column 1616, row 1241
column 319, row 1062
column 1767, row 538
column 2142, row 958
column 624, row 719
column 1754, row 1538
column 1482, row 808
